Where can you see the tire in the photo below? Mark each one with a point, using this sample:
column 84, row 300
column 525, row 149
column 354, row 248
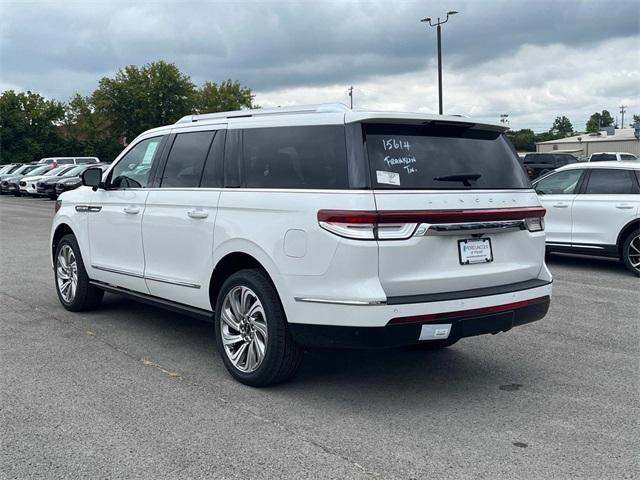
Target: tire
column 631, row 252
column 437, row 344
column 86, row 296
column 281, row 356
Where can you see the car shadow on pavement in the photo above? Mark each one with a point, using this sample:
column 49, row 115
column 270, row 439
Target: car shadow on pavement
column 591, row 264
column 471, row 364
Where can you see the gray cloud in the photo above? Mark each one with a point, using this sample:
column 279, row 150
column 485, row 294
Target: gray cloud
column 61, row 47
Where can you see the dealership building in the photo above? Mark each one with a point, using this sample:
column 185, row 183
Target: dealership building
column 611, row 140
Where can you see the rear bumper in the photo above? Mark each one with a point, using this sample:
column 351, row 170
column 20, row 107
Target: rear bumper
column 407, row 332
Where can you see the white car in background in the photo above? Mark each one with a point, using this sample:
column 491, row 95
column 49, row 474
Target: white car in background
column 612, row 157
column 594, row 209
column 28, row 185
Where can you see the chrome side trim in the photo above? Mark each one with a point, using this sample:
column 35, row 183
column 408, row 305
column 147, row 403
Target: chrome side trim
column 147, row 277
column 426, row 229
column 171, row 281
column 87, row 208
column 340, row 302
column 115, row 270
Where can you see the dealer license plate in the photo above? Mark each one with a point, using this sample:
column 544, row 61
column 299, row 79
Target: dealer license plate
column 475, row 250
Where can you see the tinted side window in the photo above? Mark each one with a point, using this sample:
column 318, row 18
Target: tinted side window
column 80, row 161
column 627, row 157
column 212, row 174
column 133, row 170
column 186, row 160
column 561, row 183
column 603, row 157
column 604, row 181
column 295, row 157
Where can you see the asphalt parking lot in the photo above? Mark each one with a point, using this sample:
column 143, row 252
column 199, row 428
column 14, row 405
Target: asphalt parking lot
column 131, row 391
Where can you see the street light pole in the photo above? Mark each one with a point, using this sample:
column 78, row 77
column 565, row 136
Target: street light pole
column 439, row 24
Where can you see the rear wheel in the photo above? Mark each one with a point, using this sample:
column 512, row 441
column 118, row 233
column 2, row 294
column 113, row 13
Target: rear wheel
column 251, row 331
column 72, row 282
column 631, row 252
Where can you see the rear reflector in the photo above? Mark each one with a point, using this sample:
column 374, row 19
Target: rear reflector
column 400, row 224
column 474, row 312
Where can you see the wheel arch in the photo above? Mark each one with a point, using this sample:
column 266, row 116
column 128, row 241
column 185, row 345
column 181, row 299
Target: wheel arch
column 628, row 228
column 229, row 264
column 61, row 230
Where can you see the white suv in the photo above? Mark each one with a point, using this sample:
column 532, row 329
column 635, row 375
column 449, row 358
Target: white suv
column 311, row 226
column 594, row 209
column 612, row 157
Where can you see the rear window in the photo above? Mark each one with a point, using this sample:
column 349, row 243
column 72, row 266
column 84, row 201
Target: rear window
column 443, row 157
column 295, row 157
column 603, row 157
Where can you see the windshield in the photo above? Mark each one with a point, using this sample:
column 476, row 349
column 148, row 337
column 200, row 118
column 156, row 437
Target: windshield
column 38, row 171
column 441, row 156
column 75, row 171
column 56, row 171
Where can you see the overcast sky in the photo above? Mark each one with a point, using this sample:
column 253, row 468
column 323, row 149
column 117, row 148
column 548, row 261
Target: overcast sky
column 534, row 60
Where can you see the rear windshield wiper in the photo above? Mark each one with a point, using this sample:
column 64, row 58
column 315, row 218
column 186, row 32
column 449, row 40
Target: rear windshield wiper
column 460, row 177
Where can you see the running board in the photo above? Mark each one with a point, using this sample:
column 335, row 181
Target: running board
column 193, row 312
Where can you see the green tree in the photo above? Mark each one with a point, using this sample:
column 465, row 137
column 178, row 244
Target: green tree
column 523, row 140
column 228, row 95
column 562, row 127
column 636, row 119
column 140, row 98
column 87, row 131
column 599, row 120
column 28, row 127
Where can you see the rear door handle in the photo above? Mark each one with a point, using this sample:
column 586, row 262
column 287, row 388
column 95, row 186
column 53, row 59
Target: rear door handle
column 197, row 213
column 131, row 209
column 624, row 206
column 561, row 205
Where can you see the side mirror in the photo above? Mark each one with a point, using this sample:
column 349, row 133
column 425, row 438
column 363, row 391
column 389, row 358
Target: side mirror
column 92, row 177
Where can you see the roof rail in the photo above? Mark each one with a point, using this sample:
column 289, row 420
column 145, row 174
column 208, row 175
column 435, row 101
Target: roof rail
column 298, row 109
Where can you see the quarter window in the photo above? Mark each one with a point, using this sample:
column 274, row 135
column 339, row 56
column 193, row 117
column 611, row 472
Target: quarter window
column 133, row 170
column 561, row 183
column 602, row 181
column 186, row 160
column 295, row 157
column 628, row 157
column 603, row 157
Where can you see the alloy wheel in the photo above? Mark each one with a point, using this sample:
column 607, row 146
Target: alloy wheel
column 633, row 253
column 244, row 329
column 67, row 273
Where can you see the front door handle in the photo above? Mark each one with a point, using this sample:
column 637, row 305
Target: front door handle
column 560, row 205
column 624, row 206
column 131, row 209
column 197, row 213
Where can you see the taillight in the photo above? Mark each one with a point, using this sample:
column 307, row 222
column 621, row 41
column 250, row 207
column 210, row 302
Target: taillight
column 400, row 225
column 364, row 225
column 534, row 224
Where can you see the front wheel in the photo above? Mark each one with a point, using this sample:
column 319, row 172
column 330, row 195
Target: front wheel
column 251, row 331
column 72, row 282
column 631, row 252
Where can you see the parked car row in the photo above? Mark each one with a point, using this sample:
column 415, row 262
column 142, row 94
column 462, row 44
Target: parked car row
column 47, row 178
column 539, row 164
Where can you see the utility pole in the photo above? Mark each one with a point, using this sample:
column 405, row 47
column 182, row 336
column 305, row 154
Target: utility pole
column 623, row 108
column 439, row 24
column 351, row 96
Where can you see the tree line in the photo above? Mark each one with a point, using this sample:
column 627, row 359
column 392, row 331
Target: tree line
column 525, row 140
column 141, row 97
column 135, row 99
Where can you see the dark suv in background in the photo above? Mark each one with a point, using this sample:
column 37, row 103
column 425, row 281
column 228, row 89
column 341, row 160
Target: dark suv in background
column 537, row 164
